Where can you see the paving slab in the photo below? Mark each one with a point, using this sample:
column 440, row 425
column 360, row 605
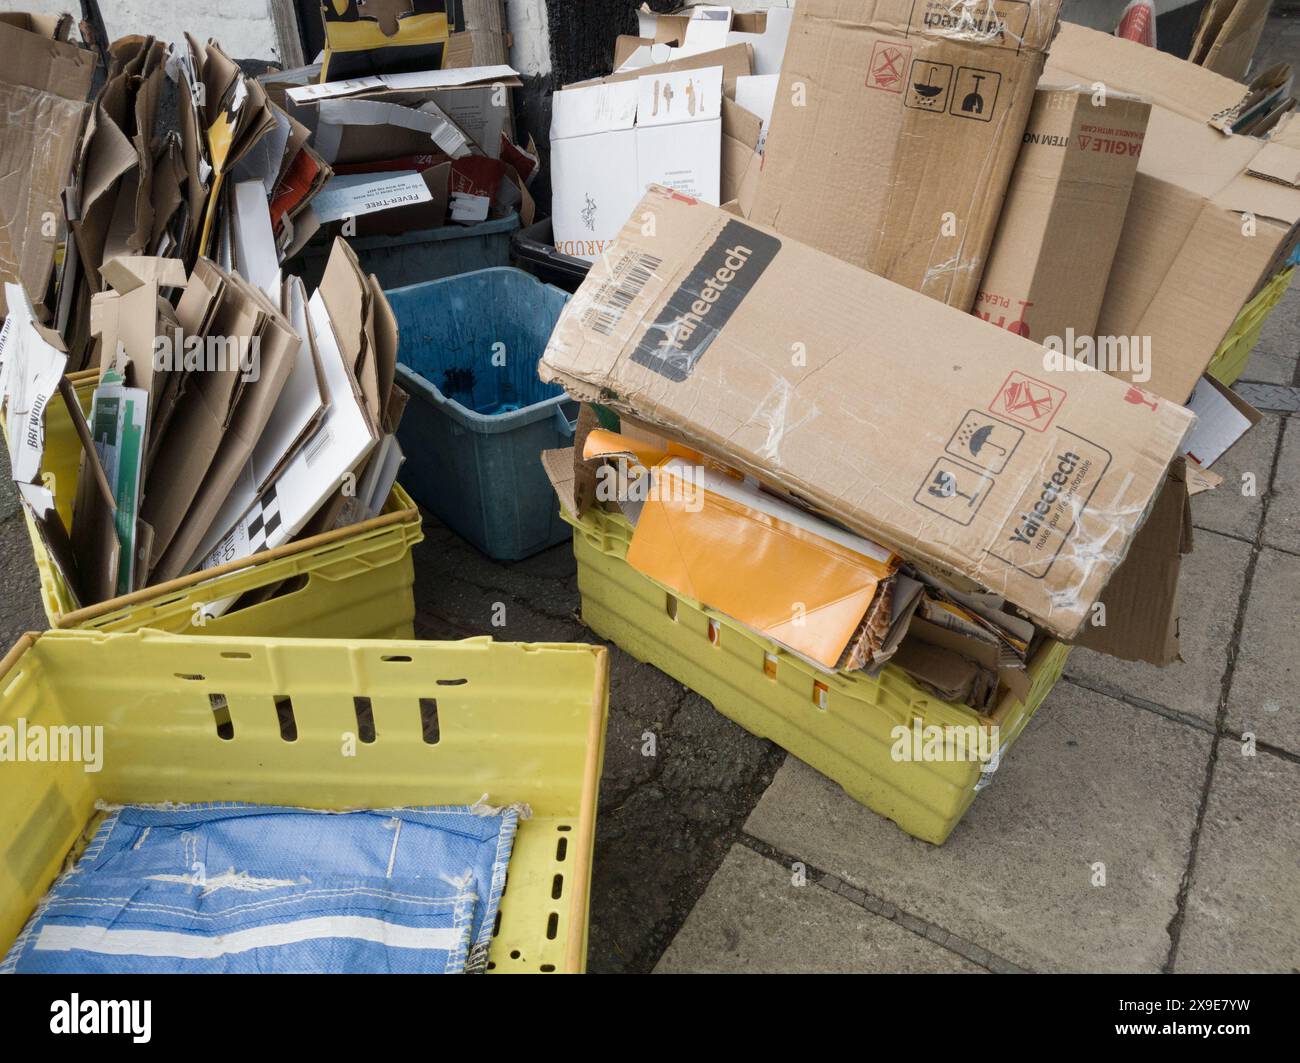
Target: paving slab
column 1210, row 585
column 1243, row 906
column 1226, row 509
column 1274, row 357
column 21, row 595
column 753, row 919
column 1264, row 698
column 1091, row 781
column 1282, row 526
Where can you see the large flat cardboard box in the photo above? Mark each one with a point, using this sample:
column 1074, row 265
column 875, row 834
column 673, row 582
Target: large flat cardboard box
column 896, row 126
column 911, row 423
column 1065, row 206
column 1212, row 217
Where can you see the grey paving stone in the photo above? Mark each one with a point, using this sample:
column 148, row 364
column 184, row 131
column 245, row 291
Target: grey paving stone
column 1264, row 698
column 1226, row 509
column 1210, row 586
column 1282, row 526
column 1243, row 907
column 1274, row 358
column 753, row 919
column 20, row 599
column 1091, row 780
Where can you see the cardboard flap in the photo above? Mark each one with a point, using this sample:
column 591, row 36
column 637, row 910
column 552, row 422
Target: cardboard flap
column 1277, row 162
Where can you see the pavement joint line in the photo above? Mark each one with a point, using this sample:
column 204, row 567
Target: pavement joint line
column 1153, row 707
column 1246, row 542
column 1175, row 926
column 923, row 928
column 1195, row 722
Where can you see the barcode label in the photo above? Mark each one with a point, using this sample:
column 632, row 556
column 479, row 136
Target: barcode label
column 633, row 272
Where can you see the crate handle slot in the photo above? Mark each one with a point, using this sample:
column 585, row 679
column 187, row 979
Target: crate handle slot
column 395, row 658
column 221, row 715
column 557, row 886
column 429, row 720
column 284, row 714
column 671, row 607
column 552, row 926
column 561, row 850
column 365, row 719
column 452, row 682
column 715, row 632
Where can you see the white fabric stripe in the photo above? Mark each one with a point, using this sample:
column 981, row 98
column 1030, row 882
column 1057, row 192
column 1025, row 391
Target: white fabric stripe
column 164, row 943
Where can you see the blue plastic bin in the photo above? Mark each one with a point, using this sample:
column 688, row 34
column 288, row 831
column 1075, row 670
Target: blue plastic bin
column 423, row 255
column 474, row 430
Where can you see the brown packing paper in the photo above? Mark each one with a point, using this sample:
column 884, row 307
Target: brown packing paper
column 737, row 341
column 895, row 129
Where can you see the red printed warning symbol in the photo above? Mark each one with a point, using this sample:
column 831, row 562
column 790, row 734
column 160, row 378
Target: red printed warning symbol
column 1027, row 401
column 888, row 70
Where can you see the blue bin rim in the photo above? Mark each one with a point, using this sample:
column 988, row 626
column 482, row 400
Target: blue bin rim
column 482, row 423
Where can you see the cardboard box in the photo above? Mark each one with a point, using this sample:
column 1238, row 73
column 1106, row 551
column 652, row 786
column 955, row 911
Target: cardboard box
column 912, row 424
column 43, row 87
column 1228, row 34
column 608, row 142
column 1211, row 217
column 1050, row 259
column 895, row 130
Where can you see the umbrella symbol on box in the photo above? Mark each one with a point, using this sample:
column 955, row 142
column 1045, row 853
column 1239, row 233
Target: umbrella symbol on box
column 925, row 88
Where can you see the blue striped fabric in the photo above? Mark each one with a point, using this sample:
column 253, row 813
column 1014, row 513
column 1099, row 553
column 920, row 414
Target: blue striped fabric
column 254, row 888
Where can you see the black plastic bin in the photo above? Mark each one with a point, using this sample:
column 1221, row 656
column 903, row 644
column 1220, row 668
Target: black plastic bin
column 532, row 249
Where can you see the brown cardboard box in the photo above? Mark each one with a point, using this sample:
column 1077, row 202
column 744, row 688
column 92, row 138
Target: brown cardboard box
column 895, row 130
column 1228, row 34
column 1065, row 206
column 1202, row 233
column 43, row 87
column 911, row 423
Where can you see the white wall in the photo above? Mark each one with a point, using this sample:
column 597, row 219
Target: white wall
column 243, row 28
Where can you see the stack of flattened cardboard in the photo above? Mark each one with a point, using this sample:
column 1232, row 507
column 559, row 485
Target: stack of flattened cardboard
column 222, row 426
column 228, row 183
column 43, row 88
column 1016, row 495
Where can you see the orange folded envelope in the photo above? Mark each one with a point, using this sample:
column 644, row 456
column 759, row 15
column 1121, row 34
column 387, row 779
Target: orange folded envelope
column 783, row 573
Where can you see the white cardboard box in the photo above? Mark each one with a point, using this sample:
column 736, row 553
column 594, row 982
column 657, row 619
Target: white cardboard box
column 608, row 142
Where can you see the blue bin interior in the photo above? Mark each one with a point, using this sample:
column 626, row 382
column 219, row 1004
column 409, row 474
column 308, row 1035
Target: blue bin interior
column 450, row 328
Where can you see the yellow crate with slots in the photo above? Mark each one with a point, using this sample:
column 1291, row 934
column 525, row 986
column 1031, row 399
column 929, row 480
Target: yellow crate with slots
column 516, row 722
column 843, row 725
column 352, row 583
column 1229, row 361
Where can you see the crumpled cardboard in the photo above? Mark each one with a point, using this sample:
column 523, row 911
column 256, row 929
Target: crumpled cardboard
column 44, row 83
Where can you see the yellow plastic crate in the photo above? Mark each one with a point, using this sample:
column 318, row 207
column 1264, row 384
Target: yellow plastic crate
column 352, row 583
column 517, row 722
column 1229, row 361
column 839, row 724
